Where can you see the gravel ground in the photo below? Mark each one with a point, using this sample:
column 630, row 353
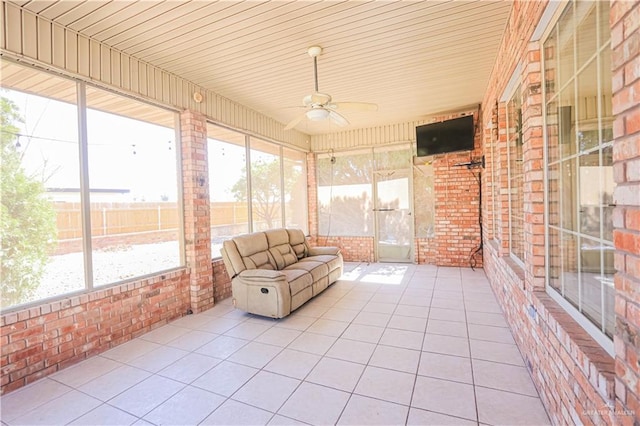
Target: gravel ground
column 65, row 273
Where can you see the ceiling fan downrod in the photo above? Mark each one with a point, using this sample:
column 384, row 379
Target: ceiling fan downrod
column 314, row 52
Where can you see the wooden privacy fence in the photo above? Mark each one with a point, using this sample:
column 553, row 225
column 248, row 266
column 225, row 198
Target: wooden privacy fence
column 137, row 217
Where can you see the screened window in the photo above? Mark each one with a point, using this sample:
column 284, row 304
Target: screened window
column 345, row 194
column 40, row 223
column 580, row 184
column 516, row 176
column 132, row 202
column 266, row 185
column 295, row 189
column 276, row 181
column 133, row 187
column 227, row 185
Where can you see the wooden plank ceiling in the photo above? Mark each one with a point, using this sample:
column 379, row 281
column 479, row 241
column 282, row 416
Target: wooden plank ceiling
column 412, row 58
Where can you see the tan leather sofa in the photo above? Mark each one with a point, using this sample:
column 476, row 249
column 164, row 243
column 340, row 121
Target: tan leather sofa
column 274, row 272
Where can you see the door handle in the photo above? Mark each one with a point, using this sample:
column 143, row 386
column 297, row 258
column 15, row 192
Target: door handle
column 384, row 210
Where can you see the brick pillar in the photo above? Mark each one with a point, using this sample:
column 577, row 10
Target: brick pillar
column 533, row 166
column 625, row 44
column 197, row 221
column 312, row 194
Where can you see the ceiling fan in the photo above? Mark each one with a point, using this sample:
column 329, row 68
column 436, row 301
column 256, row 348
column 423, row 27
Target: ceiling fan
column 319, row 105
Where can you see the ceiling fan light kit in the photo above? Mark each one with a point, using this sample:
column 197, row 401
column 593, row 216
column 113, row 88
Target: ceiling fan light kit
column 317, row 114
column 319, row 105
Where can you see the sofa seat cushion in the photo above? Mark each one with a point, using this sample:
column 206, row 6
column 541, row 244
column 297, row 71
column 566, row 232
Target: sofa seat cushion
column 316, row 269
column 332, row 261
column 298, row 279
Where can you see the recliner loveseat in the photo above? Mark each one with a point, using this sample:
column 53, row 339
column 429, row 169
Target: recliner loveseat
column 276, row 271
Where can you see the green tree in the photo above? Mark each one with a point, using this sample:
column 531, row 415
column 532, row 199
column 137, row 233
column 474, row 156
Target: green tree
column 265, row 187
column 27, row 218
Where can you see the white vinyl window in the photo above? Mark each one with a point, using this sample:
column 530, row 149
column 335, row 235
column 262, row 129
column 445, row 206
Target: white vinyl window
column 579, row 167
column 516, row 176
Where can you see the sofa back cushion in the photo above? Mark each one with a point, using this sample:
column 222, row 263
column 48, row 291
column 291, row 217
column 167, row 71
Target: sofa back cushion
column 232, row 260
column 298, row 242
column 254, row 251
column 280, row 249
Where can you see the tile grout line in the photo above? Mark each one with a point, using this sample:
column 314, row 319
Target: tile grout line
column 473, row 378
column 424, row 336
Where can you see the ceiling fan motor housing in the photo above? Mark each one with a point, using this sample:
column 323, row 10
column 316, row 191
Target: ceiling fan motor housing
column 320, row 106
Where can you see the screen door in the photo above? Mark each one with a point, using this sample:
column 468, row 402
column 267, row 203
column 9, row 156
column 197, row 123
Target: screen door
column 393, row 217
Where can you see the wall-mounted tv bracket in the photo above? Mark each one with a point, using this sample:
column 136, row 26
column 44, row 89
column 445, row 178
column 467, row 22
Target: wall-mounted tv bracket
column 472, row 164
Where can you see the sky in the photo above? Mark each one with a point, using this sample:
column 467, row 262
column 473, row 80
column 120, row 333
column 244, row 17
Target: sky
column 50, row 149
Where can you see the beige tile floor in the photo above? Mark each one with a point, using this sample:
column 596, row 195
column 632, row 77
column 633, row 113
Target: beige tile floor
column 387, row 344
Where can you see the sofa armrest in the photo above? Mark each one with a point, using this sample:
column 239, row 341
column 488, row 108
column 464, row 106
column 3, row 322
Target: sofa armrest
column 262, row 292
column 316, row 251
column 261, row 276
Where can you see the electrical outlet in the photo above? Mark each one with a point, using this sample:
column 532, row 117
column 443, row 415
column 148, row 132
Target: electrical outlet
column 533, row 313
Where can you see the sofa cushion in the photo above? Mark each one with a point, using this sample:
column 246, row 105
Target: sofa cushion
column 298, row 279
column 233, row 262
column 254, row 250
column 332, row 261
column 281, row 251
column 298, row 242
column 318, row 270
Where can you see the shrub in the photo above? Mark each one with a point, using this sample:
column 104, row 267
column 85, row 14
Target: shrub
column 27, row 218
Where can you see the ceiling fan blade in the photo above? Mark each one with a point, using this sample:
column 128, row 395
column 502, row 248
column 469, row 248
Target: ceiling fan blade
column 293, row 123
column 338, row 119
column 354, row 106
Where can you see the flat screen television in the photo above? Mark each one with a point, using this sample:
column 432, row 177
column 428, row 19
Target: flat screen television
column 446, row 136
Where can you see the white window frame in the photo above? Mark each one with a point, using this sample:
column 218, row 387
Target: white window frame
column 552, row 15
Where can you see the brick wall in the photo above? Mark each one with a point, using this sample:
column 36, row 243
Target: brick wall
column 625, row 43
column 425, row 251
column 578, row 381
column 573, row 374
column 41, row 340
column 456, row 190
column 221, row 281
column 353, row 249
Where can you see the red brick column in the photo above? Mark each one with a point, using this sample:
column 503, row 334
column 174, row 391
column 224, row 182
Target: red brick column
column 312, row 194
column 197, row 221
column 625, row 44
